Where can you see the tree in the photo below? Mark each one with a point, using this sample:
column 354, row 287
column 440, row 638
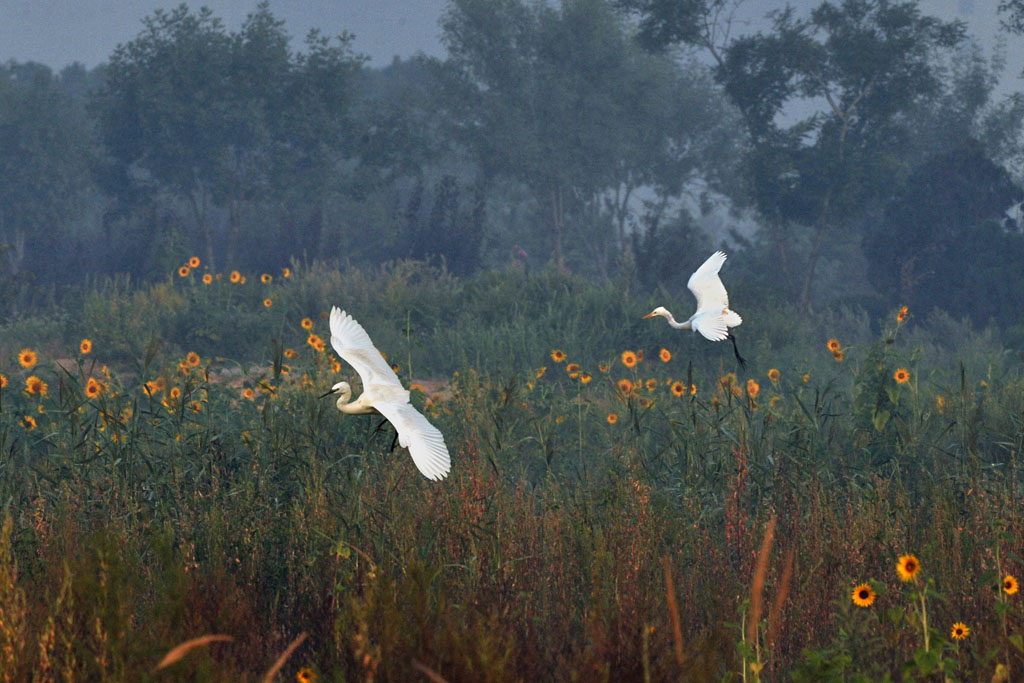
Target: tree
column 944, row 240
column 561, row 100
column 46, row 148
column 224, row 120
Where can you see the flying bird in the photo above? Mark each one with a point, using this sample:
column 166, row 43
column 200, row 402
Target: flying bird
column 385, row 395
column 713, row 317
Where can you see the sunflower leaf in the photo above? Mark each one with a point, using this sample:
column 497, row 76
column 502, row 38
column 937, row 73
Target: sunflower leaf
column 895, row 615
column 989, row 576
column 1017, row 640
column 880, row 419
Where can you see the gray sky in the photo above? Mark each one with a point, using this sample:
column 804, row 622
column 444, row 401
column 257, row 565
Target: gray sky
column 58, row 32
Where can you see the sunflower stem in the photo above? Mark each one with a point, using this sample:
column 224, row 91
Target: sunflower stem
column 924, row 619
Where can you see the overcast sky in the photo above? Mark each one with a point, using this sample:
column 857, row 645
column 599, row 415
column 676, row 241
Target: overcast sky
column 58, row 32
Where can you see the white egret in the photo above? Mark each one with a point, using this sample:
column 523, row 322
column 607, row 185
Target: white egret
column 385, row 395
column 713, row 317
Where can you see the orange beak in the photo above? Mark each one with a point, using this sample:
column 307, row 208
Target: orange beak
column 647, row 316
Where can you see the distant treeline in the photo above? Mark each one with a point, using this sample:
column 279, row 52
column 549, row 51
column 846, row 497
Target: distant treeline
column 862, row 146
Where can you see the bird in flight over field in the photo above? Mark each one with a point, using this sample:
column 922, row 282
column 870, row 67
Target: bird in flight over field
column 385, row 395
column 713, row 317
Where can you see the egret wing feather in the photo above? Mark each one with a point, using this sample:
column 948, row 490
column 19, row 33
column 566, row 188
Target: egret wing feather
column 712, row 325
column 424, row 441
column 707, row 286
column 353, row 344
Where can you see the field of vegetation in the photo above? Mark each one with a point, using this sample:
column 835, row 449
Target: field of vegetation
column 624, row 504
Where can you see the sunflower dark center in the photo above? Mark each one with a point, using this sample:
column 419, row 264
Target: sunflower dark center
column 864, row 594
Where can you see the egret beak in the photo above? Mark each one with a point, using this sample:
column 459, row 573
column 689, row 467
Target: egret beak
column 328, row 393
column 649, row 315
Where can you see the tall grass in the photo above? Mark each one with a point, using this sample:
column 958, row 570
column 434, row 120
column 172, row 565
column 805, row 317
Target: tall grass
column 563, row 545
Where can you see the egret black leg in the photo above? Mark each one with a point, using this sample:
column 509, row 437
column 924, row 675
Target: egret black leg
column 735, row 350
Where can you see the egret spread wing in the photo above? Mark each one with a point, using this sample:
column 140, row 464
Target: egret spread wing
column 424, row 441
column 707, row 286
column 352, row 343
column 712, row 325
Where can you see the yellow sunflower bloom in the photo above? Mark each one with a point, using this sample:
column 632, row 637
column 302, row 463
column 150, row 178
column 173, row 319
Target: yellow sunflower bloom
column 902, row 315
column 572, row 368
column 184, row 271
column 266, row 278
column 834, row 345
column 558, row 355
column 665, row 355
column 286, row 272
column 863, row 596
column 193, row 359
column 902, row 375
column 207, row 279
column 235, row 276
column 604, row 367
column 838, row 356
column 28, row 422
column 753, row 388
column 585, row 378
column 290, row 353
column 907, row 567
column 35, row 386
column 541, row 371
column 85, row 347
column 1010, row 585
column 249, row 393
column 307, row 324
column 3, row 381
column 268, row 303
column 27, row 358
column 774, row 375
column 678, row 389
column 193, row 262
column 612, row 418
column 629, row 359
column 960, row 631
column 624, row 386
column 93, row 388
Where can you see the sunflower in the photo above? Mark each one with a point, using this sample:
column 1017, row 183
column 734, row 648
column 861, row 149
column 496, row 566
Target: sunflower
column 235, row 276
column 195, row 406
column 290, row 353
column 863, row 596
column 35, row 386
column 678, row 389
column 27, row 358
column 585, row 378
column 558, row 355
column 806, row 378
column 93, row 388
column 28, row 422
column 753, row 388
column 838, row 356
column 1010, row 584
column 3, row 381
column 307, row 324
column 960, row 631
column 316, row 342
column 902, row 315
column 775, row 399
column 665, row 355
column 268, row 303
column 908, row 566
column 541, row 370
column 625, row 386
column 335, row 366
column 242, row 280
column 184, row 271
column 305, row 675
column 266, row 278
column 174, row 393
column 727, row 380
column 85, row 347
column 395, row 367
column 774, row 375
column 604, row 367
column 629, row 359
column 573, row 368
column 249, row 393
column 834, row 345
column 286, row 272
column 693, row 390
column 940, row 404
column 902, row 375
column 612, row 418
column 207, row 279
column 193, row 262
column 193, row 359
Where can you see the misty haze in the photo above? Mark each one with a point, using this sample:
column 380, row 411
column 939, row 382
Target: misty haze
column 330, row 340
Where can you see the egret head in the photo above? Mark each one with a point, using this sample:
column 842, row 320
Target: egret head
column 660, row 310
column 340, row 386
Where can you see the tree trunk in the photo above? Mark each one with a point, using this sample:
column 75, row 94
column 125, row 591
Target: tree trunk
column 819, row 239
